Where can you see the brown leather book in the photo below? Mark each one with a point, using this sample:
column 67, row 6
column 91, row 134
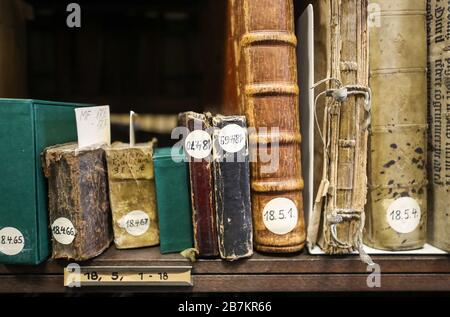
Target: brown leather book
column 79, row 212
column 262, row 79
column 201, row 181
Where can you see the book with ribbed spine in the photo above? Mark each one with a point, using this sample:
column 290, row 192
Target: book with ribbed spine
column 264, row 84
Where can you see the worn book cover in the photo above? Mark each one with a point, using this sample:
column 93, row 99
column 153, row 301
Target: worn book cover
column 342, row 113
column 79, row 212
column 439, row 125
column 231, row 172
column 132, row 194
column 261, row 81
column 173, row 199
column 397, row 200
column 198, row 149
column 26, row 128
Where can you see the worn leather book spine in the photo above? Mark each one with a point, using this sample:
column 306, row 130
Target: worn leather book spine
column 202, row 193
column 397, row 201
column 132, row 195
column 340, row 143
column 232, row 187
column 266, row 87
column 79, row 212
column 439, row 110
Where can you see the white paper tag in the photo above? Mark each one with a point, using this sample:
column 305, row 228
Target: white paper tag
column 12, row 241
column 198, row 144
column 93, row 126
column 280, row 215
column 63, row 230
column 232, row 138
column 135, row 222
column 403, row 215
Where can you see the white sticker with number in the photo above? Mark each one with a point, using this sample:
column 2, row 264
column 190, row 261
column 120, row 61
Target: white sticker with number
column 63, row 230
column 198, row 144
column 135, row 222
column 403, row 215
column 280, row 215
column 232, row 138
column 11, row 241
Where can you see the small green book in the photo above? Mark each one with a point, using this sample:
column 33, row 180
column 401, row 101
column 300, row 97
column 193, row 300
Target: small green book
column 172, row 199
column 26, row 128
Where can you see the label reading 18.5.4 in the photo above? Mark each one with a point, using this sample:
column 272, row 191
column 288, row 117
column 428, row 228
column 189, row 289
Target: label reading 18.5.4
column 403, row 215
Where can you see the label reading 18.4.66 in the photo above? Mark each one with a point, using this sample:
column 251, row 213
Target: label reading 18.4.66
column 63, row 230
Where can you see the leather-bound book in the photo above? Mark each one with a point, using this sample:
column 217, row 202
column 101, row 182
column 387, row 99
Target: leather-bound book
column 232, row 187
column 340, row 141
column 397, row 201
column 173, row 200
column 79, row 213
column 438, row 94
column 264, row 78
column 198, row 144
column 132, row 194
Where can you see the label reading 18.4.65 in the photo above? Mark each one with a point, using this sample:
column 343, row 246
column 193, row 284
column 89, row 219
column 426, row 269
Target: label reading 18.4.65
column 12, row 241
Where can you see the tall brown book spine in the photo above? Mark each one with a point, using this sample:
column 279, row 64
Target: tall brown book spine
column 79, row 210
column 202, row 192
column 264, row 44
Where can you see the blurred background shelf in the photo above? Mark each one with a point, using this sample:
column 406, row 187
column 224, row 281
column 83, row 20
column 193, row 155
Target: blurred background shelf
column 260, row 273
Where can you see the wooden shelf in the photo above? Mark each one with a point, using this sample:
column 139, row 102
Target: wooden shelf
column 261, row 273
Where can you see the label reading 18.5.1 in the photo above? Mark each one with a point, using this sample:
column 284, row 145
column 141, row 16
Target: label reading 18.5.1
column 280, row 215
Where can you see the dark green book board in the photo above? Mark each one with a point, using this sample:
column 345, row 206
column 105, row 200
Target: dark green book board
column 173, row 200
column 26, row 128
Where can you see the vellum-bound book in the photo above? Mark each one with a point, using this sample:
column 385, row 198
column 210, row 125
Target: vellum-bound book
column 439, row 94
column 132, row 194
column 342, row 110
column 397, row 200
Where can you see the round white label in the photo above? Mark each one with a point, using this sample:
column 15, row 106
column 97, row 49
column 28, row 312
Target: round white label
column 11, row 241
column 232, row 138
column 198, row 144
column 63, row 230
column 135, row 222
column 403, row 215
column 280, row 215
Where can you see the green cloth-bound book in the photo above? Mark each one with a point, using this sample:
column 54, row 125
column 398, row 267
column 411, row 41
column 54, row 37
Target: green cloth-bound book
column 172, row 199
column 26, row 128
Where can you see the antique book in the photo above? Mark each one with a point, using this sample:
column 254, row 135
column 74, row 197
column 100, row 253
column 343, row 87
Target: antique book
column 198, row 149
column 132, row 194
column 26, row 128
column 342, row 119
column 173, row 200
column 232, row 187
column 438, row 96
column 263, row 81
column 79, row 212
column 397, row 200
